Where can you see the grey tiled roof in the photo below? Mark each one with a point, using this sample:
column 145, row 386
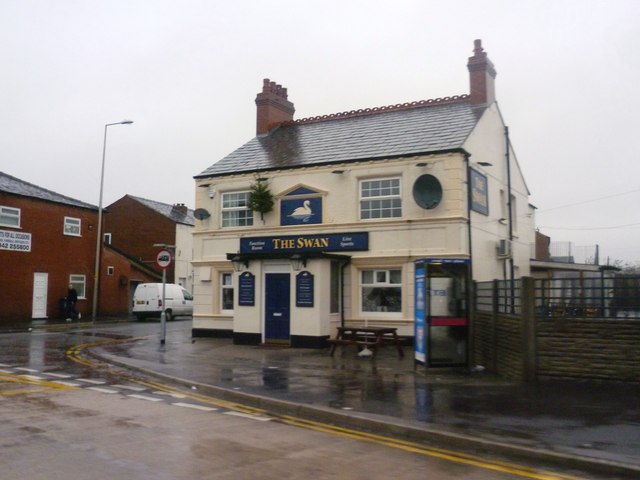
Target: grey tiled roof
column 10, row 184
column 168, row 211
column 388, row 133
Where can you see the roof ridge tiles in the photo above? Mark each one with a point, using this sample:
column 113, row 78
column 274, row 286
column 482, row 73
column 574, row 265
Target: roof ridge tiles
column 383, row 109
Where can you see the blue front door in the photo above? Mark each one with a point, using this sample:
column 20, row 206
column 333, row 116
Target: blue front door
column 277, row 306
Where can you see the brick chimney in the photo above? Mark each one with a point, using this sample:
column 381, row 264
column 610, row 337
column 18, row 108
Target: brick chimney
column 180, row 208
column 273, row 107
column 481, row 77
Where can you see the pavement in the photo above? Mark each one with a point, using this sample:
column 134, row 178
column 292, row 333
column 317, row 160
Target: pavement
column 593, row 427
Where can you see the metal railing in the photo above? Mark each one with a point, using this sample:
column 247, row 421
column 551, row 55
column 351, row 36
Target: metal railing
column 501, row 296
column 615, row 296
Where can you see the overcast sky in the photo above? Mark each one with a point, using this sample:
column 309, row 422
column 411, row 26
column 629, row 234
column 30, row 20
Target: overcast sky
column 187, row 73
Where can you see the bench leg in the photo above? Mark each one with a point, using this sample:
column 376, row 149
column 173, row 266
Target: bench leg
column 398, row 346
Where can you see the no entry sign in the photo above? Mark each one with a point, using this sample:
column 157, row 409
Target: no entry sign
column 163, row 259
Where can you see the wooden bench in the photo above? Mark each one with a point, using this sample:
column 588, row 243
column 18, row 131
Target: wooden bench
column 375, row 337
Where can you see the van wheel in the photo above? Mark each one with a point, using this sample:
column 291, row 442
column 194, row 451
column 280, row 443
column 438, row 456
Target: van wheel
column 168, row 316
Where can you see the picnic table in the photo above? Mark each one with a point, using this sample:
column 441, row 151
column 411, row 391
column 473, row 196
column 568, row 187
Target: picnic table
column 375, row 337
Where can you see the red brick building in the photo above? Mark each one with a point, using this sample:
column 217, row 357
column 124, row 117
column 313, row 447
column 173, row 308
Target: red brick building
column 47, row 241
column 133, row 225
column 119, row 276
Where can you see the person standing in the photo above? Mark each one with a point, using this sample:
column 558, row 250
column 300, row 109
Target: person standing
column 71, row 300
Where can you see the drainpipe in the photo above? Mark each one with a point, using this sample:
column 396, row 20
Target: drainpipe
column 468, row 168
column 469, row 276
column 342, row 267
column 510, row 205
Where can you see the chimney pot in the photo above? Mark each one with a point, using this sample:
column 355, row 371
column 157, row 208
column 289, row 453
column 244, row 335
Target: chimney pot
column 273, row 107
column 482, row 76
column 180, row 208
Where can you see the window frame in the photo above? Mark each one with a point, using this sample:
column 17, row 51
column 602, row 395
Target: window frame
column 223, row 287
column 5, row 214
column 378, row 281
column 68, row 222
column 235, row 218
column 335, row 290
column 369, row 199
column 76, row 279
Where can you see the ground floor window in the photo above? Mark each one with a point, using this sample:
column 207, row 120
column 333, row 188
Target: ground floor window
column 79, row 283
column 226, row 291
column 381, row 290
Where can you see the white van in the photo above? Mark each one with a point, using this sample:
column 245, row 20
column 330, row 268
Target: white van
column 147, row 301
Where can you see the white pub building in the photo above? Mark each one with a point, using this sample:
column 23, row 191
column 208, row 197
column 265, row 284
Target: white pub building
column 378, row 217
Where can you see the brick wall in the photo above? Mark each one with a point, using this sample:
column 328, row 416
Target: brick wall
column 118, row 283
column 135, row 228
column 52, row 252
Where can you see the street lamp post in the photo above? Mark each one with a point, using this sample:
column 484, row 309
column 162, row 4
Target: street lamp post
column 96, row 275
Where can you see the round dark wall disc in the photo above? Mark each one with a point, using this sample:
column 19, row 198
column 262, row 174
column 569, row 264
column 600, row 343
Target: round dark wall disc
column 427, row 191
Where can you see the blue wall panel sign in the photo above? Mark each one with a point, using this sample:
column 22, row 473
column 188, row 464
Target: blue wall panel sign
column 334, row 242
column 479, row 192
column 246, row 289
column 301, row 211
column 304, row 289
column 420, row 324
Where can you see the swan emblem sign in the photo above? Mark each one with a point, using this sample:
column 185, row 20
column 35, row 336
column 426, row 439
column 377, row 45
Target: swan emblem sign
column 301, row 211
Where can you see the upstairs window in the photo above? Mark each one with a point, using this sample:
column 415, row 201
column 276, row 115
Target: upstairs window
column 380, row 198
column 72, row 226
column 9, row 217
column 235, row 210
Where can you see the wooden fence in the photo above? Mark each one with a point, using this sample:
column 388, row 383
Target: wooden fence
column 517, row 339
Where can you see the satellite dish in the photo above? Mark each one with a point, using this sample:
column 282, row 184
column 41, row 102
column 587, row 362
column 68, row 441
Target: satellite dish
column 201, row 214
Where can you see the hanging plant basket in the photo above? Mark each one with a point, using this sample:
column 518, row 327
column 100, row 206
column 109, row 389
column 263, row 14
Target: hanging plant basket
column 260, row 197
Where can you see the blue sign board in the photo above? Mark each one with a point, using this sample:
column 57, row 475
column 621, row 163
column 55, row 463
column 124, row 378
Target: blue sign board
column 479, row 192
column 246, row 290
column 420, row 323
column 304, row 289
column 301, row 211
column 330, row 242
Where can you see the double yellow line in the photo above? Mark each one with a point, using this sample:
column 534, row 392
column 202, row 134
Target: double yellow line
column 433, row 452
column 404, row 445
column 20, row 379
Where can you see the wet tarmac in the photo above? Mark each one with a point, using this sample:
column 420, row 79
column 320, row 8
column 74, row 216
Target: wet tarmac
column 591, row 421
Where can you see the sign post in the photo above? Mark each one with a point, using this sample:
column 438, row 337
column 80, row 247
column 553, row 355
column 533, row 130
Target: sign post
column 163, row 261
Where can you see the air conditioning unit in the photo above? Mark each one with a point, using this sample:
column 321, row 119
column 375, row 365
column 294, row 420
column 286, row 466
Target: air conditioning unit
column 504, row 248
